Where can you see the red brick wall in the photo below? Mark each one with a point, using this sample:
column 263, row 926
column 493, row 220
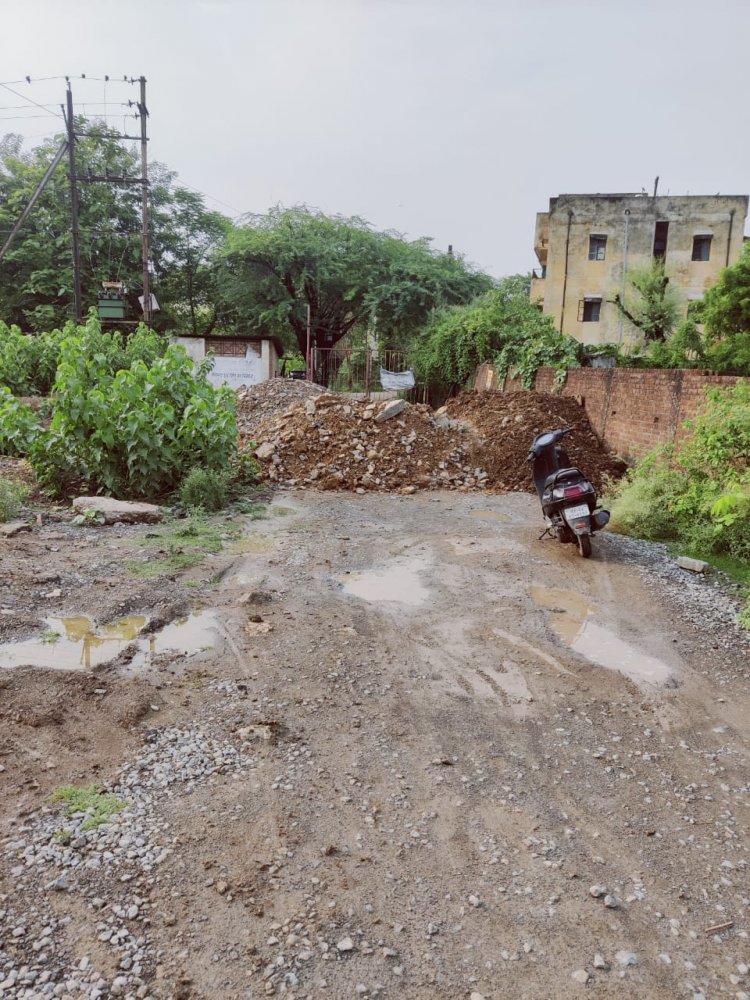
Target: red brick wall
column 633, row 410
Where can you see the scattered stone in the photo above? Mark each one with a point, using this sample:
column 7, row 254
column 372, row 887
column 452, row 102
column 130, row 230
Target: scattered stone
column 611, row 902
column 597, row 891
column 12, row 528
column 345, row 944
column 600, row 962
column 124, row 511
column 390, row 410
column 581, row 976
column 694, row 565
column 626, row 958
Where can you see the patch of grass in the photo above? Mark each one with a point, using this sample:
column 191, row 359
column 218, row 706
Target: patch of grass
column 181, row 545
column 282, row 511
column 256, row 511
column 49, row 637
column 101, row 806
column 12, row 496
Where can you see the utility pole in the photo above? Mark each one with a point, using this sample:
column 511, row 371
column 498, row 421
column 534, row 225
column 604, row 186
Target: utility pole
column 78, row 309
column 143, row 110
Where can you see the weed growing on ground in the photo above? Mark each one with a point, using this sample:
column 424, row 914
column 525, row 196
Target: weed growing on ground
column 12, row 496
column 101, row 806
column 181, row 545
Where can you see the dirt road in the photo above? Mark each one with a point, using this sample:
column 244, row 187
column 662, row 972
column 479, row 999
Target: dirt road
column 426, row 755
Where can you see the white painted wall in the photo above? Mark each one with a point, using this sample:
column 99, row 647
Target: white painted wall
column 256, row 366
column 235, row 372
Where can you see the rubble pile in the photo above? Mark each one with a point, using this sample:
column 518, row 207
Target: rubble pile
column 335, row 443
column 506, row 424
column 307, row 436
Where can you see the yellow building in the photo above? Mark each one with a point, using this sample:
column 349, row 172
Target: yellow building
column 588, row 243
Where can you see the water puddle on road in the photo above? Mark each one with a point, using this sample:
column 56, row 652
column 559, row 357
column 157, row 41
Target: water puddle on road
column 399, row 584
column 571, row 619
column 76, row 643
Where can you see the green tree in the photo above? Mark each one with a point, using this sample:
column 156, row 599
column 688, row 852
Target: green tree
column 349, row 275
column 501, row 327
column 651, row 303
column 725, row 315
column 36, row 275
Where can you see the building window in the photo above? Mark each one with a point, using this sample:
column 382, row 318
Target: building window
column 597, row 246
column 661, row 233
column 227, row 347
column 702, row 247
column 589, row 310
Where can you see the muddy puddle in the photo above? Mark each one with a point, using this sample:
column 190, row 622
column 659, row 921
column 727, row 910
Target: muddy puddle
column 572, row 618
column 400, row 584
column 76, row 643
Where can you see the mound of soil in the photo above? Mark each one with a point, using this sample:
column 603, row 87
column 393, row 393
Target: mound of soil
column 332, row 442
column 506, row 424
column 479, row 440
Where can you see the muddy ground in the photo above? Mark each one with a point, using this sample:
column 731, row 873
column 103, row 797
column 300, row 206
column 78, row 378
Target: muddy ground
column 395, row 768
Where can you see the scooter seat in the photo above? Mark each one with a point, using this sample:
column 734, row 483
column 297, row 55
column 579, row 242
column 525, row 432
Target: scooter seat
column 563, row 476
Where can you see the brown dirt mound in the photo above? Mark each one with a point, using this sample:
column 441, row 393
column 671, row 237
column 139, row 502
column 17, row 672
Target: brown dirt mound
column 308, row 436
column 332, row 442
column 507, row 424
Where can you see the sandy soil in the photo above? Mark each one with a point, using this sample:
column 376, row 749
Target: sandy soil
column 425, row 773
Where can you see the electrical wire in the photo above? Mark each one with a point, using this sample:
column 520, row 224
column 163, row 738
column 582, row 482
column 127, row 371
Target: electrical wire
column 29, row 99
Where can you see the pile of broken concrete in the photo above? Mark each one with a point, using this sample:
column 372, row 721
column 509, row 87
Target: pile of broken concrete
column 333, row 443
column 305, row 436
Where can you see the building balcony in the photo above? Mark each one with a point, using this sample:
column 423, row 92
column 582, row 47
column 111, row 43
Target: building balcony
column 541, row 236
column 536, row 292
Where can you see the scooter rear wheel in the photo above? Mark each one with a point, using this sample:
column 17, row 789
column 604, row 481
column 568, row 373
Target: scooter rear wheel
column 584, row 546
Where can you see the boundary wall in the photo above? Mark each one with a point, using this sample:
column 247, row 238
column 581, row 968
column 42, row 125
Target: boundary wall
column 632, row 410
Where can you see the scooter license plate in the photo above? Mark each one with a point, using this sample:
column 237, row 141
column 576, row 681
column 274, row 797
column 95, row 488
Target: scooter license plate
column 574, row 513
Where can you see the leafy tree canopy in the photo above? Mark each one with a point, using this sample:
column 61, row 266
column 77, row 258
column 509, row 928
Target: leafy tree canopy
column 36, row 275
column 501, row 327
column 725, row 309
column 349, row 275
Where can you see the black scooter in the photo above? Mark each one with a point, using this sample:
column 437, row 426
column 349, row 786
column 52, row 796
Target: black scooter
column 568, row 499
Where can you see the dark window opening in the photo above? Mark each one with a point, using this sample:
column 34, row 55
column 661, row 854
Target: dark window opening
column 702, row 247
column 227, row 347
column 597, row 247
column 589, row 310
column 661, row 233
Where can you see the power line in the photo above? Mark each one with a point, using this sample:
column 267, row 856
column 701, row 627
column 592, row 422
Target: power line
column 29, row 99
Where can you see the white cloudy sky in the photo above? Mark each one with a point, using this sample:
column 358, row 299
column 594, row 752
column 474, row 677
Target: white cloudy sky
column 455, row 119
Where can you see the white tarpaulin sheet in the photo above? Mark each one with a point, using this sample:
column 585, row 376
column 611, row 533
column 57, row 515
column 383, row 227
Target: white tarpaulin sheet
column 397, row 380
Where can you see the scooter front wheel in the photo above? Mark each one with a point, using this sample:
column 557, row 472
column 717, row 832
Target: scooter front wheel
column 584, row 546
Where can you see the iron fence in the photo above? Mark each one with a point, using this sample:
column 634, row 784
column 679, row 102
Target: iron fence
column 355, row 371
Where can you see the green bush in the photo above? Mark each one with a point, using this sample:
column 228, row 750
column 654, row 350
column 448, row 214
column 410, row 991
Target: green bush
column 131, row 418
column 19, row 425
column 12, row 496
column 204, row 489
column 698, row 492
column 28, row 362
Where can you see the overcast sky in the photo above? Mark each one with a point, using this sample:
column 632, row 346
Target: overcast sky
column 454, row 119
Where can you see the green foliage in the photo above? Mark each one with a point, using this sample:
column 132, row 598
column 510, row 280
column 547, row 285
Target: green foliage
column 697, row 493
column 130, row 416
column 501, row 327
column 725, row 309
column 204, row 489
column 100, row 806
column 651, row 303
column 36, row 279
column 12, row 496
column 19, row 425
column 349, row 275
column 180, row 545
